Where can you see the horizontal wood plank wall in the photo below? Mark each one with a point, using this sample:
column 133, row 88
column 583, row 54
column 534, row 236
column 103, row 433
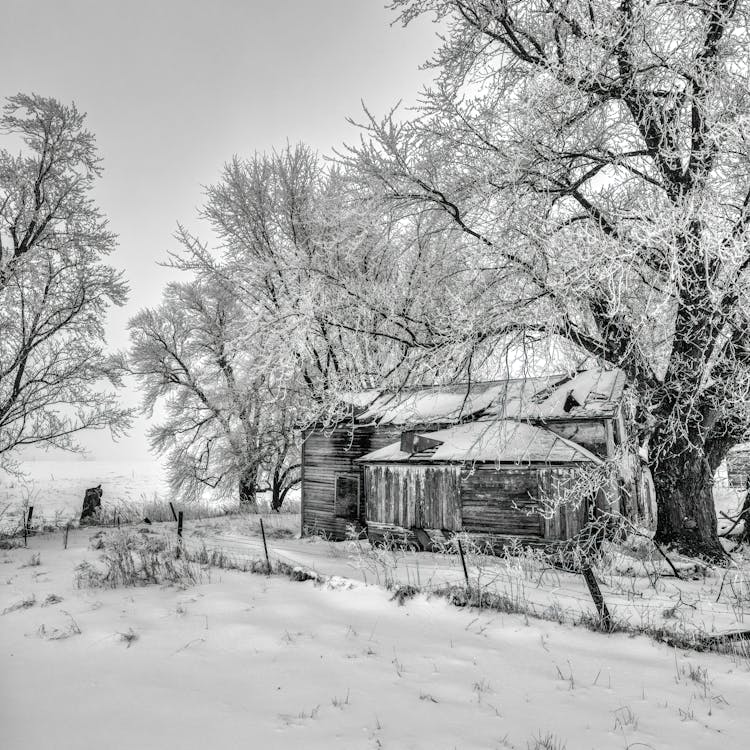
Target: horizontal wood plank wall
column 501, row 501
column 414, row 496
column 325, row 455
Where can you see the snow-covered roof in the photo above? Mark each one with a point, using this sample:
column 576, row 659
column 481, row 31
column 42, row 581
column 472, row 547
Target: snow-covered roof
column 359, row 399
column 498, row 440
column 591, row 393
column 433, row 404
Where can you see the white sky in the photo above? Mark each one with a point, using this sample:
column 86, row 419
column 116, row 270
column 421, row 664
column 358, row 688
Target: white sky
column 174, row 88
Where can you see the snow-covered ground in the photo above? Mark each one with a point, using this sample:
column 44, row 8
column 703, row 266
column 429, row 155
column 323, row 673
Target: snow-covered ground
column 638, row 585
column 243, row 660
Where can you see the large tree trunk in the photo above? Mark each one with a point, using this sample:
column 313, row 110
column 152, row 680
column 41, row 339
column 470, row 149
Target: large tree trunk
column 686, row 516
column 277, row 498
column 248, row 490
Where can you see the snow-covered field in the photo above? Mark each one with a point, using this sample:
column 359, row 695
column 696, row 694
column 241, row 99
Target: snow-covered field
column 56, row 487
column 243, row 660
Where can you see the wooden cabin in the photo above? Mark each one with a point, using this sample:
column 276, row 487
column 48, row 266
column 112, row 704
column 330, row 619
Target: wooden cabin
column 499, row 459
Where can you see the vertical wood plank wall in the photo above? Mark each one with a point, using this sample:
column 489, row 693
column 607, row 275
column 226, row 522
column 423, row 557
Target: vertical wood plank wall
column 488, row 500
column 414, row 496
column 738, row 466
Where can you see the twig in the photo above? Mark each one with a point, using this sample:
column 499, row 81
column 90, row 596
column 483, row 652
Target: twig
column 729, row 518
column 189, row 643
column 721, row 588
column 669, row 562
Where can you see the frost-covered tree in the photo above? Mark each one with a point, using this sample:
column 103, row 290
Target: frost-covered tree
column 286, row 233
column 226, row 419
column 288, row 242
column 55, row 288
column 349, row 293
column 318, row 287
column 595, row 154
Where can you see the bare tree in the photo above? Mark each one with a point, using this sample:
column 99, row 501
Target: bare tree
column 54, row 288
column 226, row 420
column 595, row 154
column 285, row 229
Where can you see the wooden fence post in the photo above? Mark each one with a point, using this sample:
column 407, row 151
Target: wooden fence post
column 596, row 594
column 178, row 551
column 65, row 536
column 171, row 507
column 265, row 547
column 463, row 562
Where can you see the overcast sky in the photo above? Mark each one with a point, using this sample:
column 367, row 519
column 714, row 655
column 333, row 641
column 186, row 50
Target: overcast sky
column 174, row 88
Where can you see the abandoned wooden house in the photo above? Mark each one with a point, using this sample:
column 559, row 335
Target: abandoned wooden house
column 521, row 460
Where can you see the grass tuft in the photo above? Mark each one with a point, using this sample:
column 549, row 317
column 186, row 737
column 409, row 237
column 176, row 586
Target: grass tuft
column 402, row 594
column 546, row 742
column 129, row 638
column 60, row 634
column 33, row 561
column 28, row 601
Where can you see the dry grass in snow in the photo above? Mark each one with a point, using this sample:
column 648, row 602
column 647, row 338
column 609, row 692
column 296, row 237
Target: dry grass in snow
column 640, row 587
column 228, row 659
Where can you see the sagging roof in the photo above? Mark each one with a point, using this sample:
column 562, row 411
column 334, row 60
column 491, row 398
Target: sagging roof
column 497, row 440
column 590, row 393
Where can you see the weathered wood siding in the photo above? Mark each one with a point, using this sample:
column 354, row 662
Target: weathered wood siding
column 501, row 500
column 738, row 466
column 325, row 455
column 490, row 500
column 646, row 496
column 568, row 513
column 636, row 490
column 414, row 496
